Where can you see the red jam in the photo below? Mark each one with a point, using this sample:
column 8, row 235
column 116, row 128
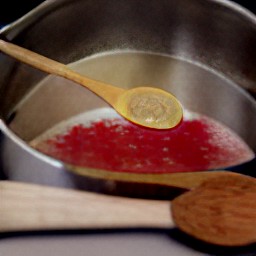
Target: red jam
column 118, row 145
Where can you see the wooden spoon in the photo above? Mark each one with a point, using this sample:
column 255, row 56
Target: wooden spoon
column 221, row 211
column 146, row 106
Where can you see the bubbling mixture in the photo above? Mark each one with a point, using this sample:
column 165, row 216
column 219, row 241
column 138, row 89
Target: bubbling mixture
column 151, row 107
column 111, row 143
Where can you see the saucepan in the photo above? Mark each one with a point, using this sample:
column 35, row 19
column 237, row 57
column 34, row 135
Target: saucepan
column 200, row 50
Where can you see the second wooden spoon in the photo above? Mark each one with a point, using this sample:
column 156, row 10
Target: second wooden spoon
column 221, row 210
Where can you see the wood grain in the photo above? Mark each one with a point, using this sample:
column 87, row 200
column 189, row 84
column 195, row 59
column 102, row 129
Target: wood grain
column 220, row 211
column 33, row 207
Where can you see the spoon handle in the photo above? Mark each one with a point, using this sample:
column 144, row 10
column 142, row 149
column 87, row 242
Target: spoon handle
column 33, row 207
column 106, row 91
column 182, row 180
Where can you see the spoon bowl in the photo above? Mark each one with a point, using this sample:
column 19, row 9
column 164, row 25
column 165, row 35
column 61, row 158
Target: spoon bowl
column 150, row 107
column 220, row 211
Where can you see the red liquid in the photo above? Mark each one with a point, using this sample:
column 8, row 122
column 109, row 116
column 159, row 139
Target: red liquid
column 118, row 145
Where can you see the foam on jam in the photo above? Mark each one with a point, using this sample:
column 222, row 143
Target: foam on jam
column 114, row 144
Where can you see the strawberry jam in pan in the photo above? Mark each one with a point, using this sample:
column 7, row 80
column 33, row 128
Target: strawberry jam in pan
column 101, row 139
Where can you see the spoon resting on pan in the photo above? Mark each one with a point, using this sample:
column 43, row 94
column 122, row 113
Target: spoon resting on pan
column 220, row 211
column 146, row 106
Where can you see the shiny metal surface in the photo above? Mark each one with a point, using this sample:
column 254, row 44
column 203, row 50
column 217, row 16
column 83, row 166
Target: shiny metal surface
column 217, row 35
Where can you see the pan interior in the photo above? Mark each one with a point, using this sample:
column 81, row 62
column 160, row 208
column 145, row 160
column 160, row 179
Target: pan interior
column 199, row 89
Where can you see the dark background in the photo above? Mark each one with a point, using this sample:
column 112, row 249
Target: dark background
column 12, row 10
column 249, row 4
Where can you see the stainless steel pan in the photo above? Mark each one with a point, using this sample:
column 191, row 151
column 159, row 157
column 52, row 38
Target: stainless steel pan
column 215, row 39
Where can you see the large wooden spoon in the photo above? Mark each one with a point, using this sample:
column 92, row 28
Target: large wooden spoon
column 221, row 210
column 146, row 106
